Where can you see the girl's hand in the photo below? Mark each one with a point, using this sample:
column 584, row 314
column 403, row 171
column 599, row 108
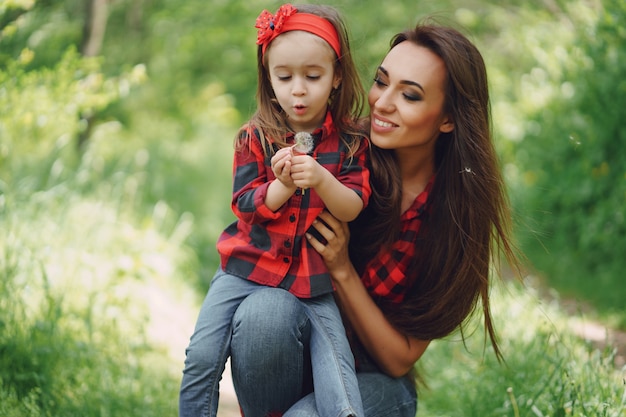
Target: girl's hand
column 335, row 250
column 306, row 172
column 281, row 166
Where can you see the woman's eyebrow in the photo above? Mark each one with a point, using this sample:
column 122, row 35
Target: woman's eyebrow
column 405, row 82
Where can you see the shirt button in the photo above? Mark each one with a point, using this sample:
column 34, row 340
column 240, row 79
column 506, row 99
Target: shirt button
column 292, row 218
column 287, row 244
column 298, row 191
column 286, row 260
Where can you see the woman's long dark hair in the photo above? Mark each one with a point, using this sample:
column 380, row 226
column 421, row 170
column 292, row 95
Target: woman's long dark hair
column 468, row 223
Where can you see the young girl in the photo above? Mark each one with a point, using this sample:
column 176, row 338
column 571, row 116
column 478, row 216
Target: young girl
column 308, row 87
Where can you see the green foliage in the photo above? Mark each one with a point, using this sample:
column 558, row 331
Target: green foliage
column 47, row 27
column 13, row 406
column 50, row 106
column 70, row 338
column 76, row 264
column 76, row 269
column 77, row 247
column 567, row 133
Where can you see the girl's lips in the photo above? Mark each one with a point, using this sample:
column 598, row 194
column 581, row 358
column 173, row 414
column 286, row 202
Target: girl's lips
column 299, row 110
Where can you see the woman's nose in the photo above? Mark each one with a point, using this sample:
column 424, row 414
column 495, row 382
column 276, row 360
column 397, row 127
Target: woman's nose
column 383, row 101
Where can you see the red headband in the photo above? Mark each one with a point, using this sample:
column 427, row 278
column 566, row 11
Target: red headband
column 286, row 19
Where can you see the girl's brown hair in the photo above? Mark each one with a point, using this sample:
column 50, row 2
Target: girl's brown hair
column 468, row 222
column 345, row 103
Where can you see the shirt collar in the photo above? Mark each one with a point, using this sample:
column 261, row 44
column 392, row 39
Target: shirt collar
column 419, row 204
column 326, row 129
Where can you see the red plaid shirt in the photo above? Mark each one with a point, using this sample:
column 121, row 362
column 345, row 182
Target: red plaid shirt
column 385, row 275
column 269, row 247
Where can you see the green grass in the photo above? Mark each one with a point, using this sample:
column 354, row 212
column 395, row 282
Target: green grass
column 549, row 371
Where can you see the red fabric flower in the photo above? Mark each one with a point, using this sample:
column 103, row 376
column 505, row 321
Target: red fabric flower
column 270, row 26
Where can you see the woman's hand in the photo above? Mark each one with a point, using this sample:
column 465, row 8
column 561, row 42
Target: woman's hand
column 335, row 250
column 395, row 352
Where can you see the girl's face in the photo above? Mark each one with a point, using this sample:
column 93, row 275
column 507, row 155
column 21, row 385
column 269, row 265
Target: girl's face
column 302, row 73
column 407, row 98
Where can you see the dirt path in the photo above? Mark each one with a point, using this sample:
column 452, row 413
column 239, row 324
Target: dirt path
column 582, row 325
column 599, row 335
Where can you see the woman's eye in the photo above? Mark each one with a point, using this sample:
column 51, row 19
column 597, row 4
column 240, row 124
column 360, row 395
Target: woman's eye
column 379, row 82
column 313, row 77
column 412, row 97
column 283, row 77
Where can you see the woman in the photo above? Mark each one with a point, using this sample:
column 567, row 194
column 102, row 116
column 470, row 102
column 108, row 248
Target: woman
column 422, row 250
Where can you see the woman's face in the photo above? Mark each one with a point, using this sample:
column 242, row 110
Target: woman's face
column 407, row 98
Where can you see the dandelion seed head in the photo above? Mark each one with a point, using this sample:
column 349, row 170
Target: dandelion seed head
column 303, row 142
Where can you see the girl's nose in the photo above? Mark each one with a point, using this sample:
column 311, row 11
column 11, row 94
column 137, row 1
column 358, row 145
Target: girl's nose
column 299, row 87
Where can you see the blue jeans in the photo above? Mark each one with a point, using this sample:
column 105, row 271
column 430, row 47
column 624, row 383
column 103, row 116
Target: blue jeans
column 334, row 377
column 271, row 364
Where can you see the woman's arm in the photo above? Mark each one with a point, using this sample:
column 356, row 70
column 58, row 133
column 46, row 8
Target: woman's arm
column 393, row 351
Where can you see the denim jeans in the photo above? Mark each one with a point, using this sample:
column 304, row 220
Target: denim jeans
column 334, row 377
column 271, row 364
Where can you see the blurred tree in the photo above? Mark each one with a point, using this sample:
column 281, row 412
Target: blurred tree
column 94, row 28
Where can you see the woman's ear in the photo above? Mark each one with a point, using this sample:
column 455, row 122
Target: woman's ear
column 447, row 125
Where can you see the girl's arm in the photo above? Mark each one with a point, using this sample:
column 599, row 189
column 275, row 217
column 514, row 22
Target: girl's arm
column 342, row 202
column 277, row 195
column 394, row 352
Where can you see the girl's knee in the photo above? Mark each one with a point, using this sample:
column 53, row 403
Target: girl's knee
column 270, row 312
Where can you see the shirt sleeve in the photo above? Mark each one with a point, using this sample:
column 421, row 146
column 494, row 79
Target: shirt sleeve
column 251, row 177
column 355, row 174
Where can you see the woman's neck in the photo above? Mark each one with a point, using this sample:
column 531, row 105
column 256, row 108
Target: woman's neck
column 416, row 171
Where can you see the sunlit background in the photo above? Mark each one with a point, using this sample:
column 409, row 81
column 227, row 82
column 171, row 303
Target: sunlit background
column 117, row 119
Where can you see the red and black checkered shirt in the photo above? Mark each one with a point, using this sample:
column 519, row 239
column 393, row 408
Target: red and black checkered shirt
column 269, row 247
column 385, row 275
